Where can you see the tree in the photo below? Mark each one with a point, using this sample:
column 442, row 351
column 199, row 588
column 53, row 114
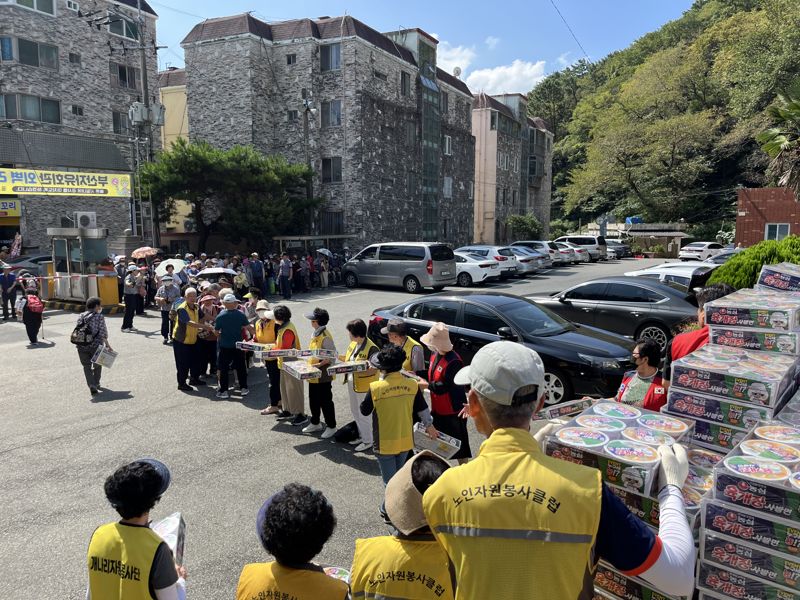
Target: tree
column 782, row 142
column 526, row 227
column 238, row 192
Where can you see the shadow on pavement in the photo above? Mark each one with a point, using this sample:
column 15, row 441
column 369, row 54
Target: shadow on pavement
column 111, row 396
column 338, row 454
column 41, row 345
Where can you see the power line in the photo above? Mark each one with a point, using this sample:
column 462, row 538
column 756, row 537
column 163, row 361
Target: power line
column 572, row 33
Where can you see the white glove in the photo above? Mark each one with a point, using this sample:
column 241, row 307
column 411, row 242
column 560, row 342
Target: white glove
column 674, row 466
column 541, row 435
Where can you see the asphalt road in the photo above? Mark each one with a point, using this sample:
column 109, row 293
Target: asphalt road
column 58, row 444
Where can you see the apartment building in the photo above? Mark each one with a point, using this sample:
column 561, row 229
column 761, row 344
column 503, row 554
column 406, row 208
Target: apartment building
column 387, row 133
column 513, row 166
column 69, row 72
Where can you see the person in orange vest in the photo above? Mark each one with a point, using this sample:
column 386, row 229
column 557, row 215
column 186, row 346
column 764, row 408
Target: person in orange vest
column 126, row 559
column 293, row 526
column 686, row 343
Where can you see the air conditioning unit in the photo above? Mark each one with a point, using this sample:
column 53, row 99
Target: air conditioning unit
column 86, row 220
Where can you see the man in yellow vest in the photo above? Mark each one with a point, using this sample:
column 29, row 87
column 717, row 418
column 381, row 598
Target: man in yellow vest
column 126, row 559
column 184, row 340
column 396, row 331
column 410, row 564
column 293, row 526
column 517, row 524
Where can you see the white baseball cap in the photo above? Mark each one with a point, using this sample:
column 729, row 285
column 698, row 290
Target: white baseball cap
column 505, row 372
column 229, row 299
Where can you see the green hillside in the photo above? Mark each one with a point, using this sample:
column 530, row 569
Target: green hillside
column 665, row 128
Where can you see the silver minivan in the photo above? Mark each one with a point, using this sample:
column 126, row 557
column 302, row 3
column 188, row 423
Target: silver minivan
column 410, row 265
column 595, row 244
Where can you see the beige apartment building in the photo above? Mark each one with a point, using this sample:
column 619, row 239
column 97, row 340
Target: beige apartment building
column 513, row 166
column 172, row 90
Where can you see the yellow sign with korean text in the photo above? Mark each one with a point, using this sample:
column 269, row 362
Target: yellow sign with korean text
column 10, row 208
column 33, row 182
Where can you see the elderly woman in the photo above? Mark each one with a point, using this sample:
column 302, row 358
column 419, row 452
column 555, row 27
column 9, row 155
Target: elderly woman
column 291, row 388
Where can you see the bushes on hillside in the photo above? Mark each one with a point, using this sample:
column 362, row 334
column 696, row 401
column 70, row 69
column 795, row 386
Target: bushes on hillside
column 742, row 270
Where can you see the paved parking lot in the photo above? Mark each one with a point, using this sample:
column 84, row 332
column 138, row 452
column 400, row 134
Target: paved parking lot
column 58, row 444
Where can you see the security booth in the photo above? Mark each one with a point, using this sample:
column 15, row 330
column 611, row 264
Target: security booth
column 77, row 254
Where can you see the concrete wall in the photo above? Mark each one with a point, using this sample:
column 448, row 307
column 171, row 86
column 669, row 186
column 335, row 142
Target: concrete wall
column 176, row 116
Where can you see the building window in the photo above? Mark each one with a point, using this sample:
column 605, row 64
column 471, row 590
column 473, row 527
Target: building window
column 447, row 188
column 444, row 102
column 516, row 164
column 776, row 231
column 410, row 132
column 379, row 75
column 332, row 113
column 292, row 116
column 37, row 55
column 291, row 59
column 411, row 182
column 74, row 58
column 332, row 169
column 471, row 190
column 405, row 84
column 122, row 26
column 77, row 110
column 448, row 145
column 124, row 76
column 72, row 5
column 8, row 106
column 32, row 108
column 493, row 120
column 45, row 6
column 513, row 197
column 330, row 57
column 6, row 48
column 121, row 123
column 548, row 143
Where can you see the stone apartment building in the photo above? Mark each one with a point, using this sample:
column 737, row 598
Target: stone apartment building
column 513, row 166
column 69, row 72
column 389, row 133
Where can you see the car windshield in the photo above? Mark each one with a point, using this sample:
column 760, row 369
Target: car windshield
column 534, row 320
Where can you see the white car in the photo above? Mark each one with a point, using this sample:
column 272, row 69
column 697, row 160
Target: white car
column 679, row 273
column 700, row 250
column 509, row 266
column 529, row 260
column 583, row 253
column 474, row 268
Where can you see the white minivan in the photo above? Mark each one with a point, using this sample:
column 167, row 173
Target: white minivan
column 594, row 244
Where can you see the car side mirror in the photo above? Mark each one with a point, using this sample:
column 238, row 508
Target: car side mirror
column 563, row 299
column 506, row 333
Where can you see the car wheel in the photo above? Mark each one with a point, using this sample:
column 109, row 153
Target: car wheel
column 350, row 279
column 654, row 332
column 464, row 279
column 411, row 284
column 557, row 386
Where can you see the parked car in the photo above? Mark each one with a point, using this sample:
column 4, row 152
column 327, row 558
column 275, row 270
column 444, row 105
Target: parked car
column 568, row 252
column 582, row 253
column 29, row 262
column 544, row 247
column 620, row 248
column 410, row 265
column 700, row 250
column 578, row 360
column 635, row 307
column 594, row 244
column 688, row 276
column 509, row 266
column 722, row 257
column 474, row 268
column 529, row 261
column 543, row 260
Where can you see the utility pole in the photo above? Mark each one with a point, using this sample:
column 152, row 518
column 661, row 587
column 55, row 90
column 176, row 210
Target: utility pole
column 146, row 128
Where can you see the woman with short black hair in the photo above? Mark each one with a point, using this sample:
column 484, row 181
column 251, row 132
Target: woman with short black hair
column 95, row 325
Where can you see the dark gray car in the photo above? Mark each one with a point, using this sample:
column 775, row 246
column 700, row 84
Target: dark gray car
column 629, row 306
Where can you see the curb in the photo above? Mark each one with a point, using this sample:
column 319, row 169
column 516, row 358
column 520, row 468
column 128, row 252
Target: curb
column 79, row 307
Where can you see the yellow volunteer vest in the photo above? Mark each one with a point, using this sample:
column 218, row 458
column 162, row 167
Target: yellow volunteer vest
column 360, row 380
column 279, row 340
column 390, row 567
column 517, row 523
column 316, row 344
column 265, row 332
column 271, row 580
column 119, row 560
column 182, row 332
column 408, row 346
column 393, row 399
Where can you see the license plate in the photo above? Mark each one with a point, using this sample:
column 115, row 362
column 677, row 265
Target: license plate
column 445, row 273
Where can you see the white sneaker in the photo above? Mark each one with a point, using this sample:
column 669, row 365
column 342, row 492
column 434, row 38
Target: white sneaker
column 362, row 447
column 244, row 391
column 311, row 428
column 328, row 433
column 223, row 395
column 355, row 442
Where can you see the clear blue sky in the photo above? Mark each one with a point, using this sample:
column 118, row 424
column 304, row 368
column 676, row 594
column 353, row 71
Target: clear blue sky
column 500, row 46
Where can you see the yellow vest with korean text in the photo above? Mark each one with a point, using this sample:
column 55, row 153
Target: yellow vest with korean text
column 360, row 380
column 265, row 333
column 393, row 401
column 517, row 523
column 408, row 346
column 119, row 559
column 183, row 332
column 279, row 339
column 405, row 569
column 316, row 344
column 271, row 580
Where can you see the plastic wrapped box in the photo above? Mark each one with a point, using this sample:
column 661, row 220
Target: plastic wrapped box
column 783, row 277
column 719, row 437
column 318, row 353
column 764, row 340
column 609, row 580
column 172, row 529
column 351, row 366
column 770, row 567
column 761, row 530
column 300, row 369
column 562, row 410
column 444, row 445
column 714, row 409
column 733, row 584
column 759, row 309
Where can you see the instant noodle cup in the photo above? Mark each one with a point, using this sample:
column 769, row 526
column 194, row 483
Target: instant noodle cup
column 698, row 479
column 691, row 497
column 581, row 437
column 632, row 452
column 663, row 423
column 651, row 437
column 778, row 433
column 761, row 469
column 794, row 479
column 776, row 451
column 706, row 459
column 600, row 422
column 617, row 410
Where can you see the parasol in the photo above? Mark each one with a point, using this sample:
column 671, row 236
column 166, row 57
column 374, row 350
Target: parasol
column 178, row 263
column 144, row 252
column 326, row 252
column 216, row 271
